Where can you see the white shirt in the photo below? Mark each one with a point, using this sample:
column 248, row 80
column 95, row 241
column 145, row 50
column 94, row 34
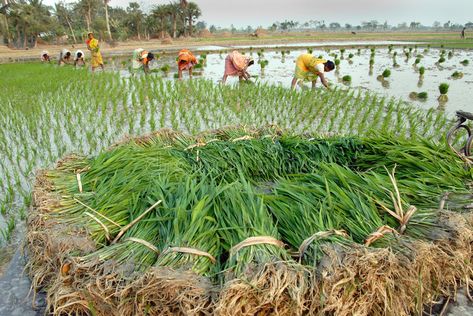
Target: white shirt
column 320, row 68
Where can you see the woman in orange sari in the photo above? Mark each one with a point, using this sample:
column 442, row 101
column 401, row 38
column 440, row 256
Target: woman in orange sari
column 185, row 61
column 236, row 64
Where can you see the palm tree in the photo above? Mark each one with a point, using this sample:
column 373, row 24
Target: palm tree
column 4, row 20
column 87, row 8
column 161, row 12
column 174, row 9
column 105, row 2
column 193, row 12
column 63, row 13
column 135, row 18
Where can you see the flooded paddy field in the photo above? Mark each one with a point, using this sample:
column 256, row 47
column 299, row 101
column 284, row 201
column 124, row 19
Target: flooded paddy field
column 54, row 112
column 403, row 62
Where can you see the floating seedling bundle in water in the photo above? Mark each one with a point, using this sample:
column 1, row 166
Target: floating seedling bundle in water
column 251, row 222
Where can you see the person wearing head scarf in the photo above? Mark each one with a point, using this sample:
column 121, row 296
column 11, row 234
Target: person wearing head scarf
column 65, row 57
column 45, row 56
column 185, row 61
column 309, row 68
column 79, row 58
column 141, row 59
column 237, row 64
column 93, row 46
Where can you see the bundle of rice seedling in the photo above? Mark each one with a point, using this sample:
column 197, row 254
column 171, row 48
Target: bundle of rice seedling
column 242, row 221
column 261, row 278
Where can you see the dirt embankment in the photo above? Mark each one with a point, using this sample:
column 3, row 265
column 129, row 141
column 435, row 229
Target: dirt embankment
column 223, row 40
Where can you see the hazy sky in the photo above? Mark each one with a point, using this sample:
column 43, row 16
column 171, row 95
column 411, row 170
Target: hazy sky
column 264, row 12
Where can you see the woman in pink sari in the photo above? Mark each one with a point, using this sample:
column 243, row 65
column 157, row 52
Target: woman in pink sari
column 236, row 65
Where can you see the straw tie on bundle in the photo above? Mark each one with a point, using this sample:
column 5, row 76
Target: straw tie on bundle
column 145, row 243
column 383, row 230
column 399, row 214
column 260, row 240
column 246, row 137
column 192, row 251
column 317, row 236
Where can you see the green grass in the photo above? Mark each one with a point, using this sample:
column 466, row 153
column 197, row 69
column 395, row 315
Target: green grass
column 48, row 112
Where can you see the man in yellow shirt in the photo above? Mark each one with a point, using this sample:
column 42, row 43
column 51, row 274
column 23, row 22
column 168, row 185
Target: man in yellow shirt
column 93, row 46
column 309, row 68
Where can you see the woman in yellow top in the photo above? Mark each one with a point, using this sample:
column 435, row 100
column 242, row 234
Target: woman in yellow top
column 93, row 46
column 308, row 68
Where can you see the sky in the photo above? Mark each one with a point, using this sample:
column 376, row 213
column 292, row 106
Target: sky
column 264, row 12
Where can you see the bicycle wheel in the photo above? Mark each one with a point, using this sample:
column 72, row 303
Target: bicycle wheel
column 469, row 146
column 454, row 138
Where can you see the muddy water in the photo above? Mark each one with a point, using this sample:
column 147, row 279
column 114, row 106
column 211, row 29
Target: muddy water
column 404, row 79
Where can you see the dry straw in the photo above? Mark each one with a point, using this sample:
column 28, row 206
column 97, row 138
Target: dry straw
column 220, row 238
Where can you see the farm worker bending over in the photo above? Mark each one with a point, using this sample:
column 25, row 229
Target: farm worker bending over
column 45, row 56
column 79, row 58
column 309, row 68
column 185, row 61
column 236, row 65
column 64, row 57
column 141, row 59
column 93, row 46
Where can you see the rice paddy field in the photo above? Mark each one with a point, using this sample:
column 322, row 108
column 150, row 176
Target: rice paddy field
column 413, row 69
column 246, row 199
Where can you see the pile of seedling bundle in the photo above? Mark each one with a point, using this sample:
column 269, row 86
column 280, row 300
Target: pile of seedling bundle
column 252, row 222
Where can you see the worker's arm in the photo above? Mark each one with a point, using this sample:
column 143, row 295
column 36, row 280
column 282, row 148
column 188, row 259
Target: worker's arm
column 323, row 80
column 146, row 68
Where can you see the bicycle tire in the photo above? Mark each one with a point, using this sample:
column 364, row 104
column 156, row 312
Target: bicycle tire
column 452, row 132
column 469, row 146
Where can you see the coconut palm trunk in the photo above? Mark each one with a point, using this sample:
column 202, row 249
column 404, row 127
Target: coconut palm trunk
column 107, row 19
column 190, row 24
column 174, row 25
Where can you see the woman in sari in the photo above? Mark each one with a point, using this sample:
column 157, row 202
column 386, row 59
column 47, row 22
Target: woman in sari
column 236, row 64
column 64, row 57
column 309, row 68
column 141, row 59
column 93, row 46
column 45, row 56
column 79, row 58
column 185, row 61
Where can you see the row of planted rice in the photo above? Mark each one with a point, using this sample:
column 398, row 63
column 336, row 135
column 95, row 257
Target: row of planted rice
column 252, row 222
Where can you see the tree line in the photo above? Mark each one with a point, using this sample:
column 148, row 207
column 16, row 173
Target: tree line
column 26, row 22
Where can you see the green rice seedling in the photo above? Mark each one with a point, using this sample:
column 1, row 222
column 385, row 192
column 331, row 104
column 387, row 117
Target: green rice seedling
column 465, row 62
column 443, row 89
column 309, row 50
column 417, row 61
column 386, row 73
column 165, row 69
column 422, row 96
column 450, row 54
column 441, row 60
column 358, row 52
column 421, row 71
column 337, row 62
column 371, row 62
column 346, row 79
column 350, row 56
column 263, row 63
column 457, row 75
